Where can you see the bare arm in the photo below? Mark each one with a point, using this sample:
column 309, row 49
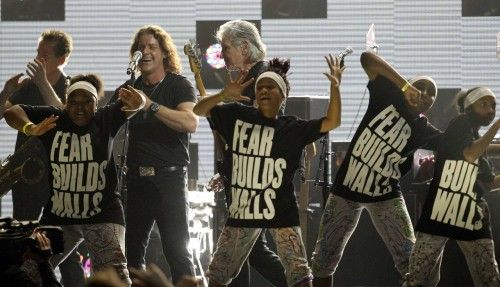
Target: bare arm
column 479, row 146
column 36, row 71
column 181, row 119
column 17, row 118
column 333, row 114
column 375, row 65
column 205, row 104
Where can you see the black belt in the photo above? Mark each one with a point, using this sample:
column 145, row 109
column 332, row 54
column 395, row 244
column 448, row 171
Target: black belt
column 153, row 170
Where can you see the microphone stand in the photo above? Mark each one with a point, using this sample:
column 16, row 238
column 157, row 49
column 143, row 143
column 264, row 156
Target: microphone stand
column 122, row 167
column 324, row 166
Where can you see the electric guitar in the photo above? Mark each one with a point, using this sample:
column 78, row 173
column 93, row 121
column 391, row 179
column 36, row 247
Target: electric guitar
column 192, row 50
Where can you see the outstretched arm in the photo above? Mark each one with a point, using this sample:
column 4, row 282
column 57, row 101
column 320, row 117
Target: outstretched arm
column 479, row 146
column 231, row 92
column 375, row 65
column 333, row 114
column 181, row 118
column 17, row 118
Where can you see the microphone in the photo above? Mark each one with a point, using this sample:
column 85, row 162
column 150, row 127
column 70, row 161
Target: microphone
column 341, row 55
column 133, row 63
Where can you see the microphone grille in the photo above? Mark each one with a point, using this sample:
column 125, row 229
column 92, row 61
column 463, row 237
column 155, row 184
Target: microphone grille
column 137, row 55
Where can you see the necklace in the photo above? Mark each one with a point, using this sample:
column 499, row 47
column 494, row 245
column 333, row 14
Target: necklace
column 150, row 94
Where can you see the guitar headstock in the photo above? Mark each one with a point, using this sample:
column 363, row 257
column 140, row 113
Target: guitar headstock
column 192, row 50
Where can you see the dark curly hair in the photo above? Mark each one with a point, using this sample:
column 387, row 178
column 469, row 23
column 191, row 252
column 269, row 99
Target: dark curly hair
column 281, row 66
column 94, row 79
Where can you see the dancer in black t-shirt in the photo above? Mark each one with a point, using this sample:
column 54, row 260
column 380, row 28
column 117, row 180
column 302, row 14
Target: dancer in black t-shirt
column 368, row 178
column 83, row 199
column 264, row 150
column 243, row 50
column 455, row 207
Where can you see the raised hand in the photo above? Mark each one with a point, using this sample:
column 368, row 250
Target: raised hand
column 335, row 75
column 232, row 91
column 36, row 71
column 215, row 183
column 12, row 85
column 132, row 99
column 42, row 127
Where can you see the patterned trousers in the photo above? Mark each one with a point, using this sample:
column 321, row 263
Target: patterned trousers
column 339, row 221
column 234, row 246
column 425, row 261
column 105, row 242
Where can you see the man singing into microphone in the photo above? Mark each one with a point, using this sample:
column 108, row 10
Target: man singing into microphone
column 158, row 153
column 391, row 130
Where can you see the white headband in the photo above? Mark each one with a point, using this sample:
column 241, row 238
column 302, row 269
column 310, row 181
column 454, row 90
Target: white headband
column 425, row 78
column 273, row 76
column 83, row 85
column 476, row 94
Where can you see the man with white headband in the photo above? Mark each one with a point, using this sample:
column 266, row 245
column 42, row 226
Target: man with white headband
column 83, row 196
column 455, row 207
column 264, row 150
column 368, row 178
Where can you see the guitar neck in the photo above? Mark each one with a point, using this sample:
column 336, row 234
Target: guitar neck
column 199, row 84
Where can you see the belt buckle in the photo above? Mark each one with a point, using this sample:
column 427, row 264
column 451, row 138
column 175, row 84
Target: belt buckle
column 146, row 171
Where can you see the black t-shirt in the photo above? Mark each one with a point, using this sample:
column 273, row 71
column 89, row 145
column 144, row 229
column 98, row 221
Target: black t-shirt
column 29, row 94
column 82, row 180
column 264, row 154
column 382, row 147
column 454, row 206
column 151, row 142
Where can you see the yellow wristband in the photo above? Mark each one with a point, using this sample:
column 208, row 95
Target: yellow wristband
column 25, row 128
column 405, row 87
column 221, row 96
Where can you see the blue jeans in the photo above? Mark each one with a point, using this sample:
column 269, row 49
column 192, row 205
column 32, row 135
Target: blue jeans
column 161, row 198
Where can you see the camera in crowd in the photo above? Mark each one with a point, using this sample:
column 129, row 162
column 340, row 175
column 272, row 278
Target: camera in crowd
column 17, row 237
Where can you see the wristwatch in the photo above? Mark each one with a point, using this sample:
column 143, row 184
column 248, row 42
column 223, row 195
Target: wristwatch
column 154, row 108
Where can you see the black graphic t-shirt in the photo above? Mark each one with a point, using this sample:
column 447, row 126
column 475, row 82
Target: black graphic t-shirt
column 264, row 154
column 82, row 181
column 380, row 150
column 454, row 206
column 151, row 142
